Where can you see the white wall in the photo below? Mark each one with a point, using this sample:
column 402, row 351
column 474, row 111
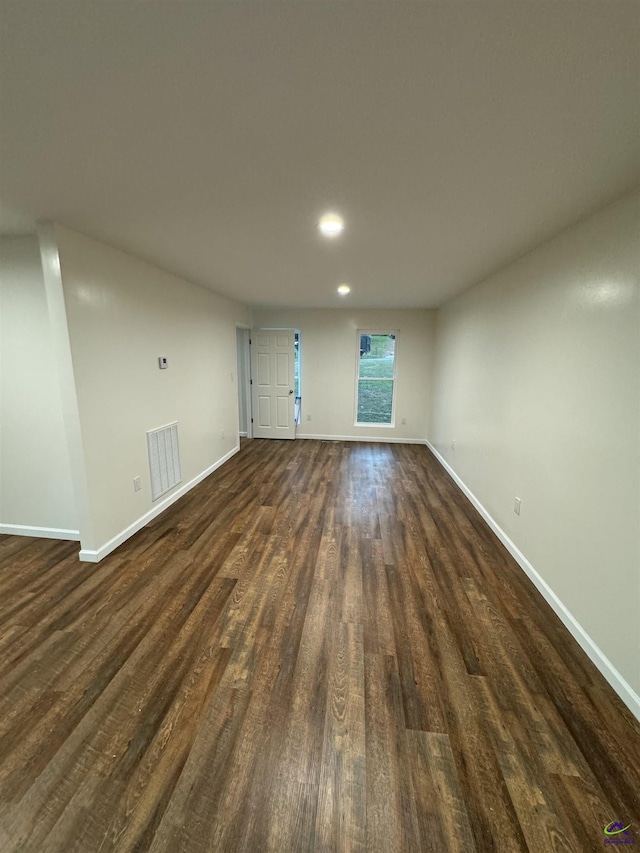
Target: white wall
column 328, row 342
column 122, row 314
column 36, row 489
column 537, row 378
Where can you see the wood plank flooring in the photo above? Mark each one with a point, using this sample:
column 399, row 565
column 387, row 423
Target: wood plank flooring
column 322, row 647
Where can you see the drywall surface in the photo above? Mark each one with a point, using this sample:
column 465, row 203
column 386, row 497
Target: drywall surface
column 537, row 380
column 36, row 487
column 328, row 352
column 122, row 315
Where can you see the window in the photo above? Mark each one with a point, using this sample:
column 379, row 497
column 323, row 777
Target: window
column 376, row 377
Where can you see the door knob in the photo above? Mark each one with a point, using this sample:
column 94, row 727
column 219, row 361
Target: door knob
column 291, row 391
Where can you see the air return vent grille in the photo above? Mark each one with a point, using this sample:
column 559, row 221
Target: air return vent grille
column 164, row 459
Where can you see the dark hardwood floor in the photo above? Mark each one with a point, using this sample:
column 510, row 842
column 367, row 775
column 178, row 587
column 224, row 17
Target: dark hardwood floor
column 322, row 647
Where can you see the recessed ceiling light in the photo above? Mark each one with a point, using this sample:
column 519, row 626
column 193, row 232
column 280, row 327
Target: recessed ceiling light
column 331, row 225
column 344, row 289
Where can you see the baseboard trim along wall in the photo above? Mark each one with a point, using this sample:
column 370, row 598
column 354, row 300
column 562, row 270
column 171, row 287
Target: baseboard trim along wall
column 40, row 532
column 376, row 439
column 95, row 556
column 596, row 655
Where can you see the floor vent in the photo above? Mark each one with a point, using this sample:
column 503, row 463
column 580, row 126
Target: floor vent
column 164, row 459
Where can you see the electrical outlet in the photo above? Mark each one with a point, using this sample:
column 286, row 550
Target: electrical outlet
column 516, row 506
column 137, row 485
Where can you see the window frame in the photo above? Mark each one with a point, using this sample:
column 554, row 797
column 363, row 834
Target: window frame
column 394, row 378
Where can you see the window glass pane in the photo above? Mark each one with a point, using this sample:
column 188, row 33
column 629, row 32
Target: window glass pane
column 376, row 356
column 375, row 401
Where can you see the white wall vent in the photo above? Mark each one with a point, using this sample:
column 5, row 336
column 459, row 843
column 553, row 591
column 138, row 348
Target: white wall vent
column 164, row 459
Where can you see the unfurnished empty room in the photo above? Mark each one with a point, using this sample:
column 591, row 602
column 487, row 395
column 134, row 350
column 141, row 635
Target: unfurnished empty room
column 319, row 426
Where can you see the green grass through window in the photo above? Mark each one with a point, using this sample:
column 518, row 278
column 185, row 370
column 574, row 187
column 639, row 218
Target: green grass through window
column 378, row 368
column 375, row 401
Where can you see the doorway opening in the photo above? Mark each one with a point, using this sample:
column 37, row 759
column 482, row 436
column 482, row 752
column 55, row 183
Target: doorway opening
column 296, row 368
column 243, row 375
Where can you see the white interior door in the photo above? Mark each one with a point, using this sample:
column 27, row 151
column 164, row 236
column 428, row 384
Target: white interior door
column 272, row 374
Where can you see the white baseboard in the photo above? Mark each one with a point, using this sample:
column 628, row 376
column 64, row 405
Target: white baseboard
column 376, row 440
column 95, row 556
column 40, row 532
column 596, row 655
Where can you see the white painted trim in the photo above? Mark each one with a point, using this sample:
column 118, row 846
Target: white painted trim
column 376, row 439
column 596, row 655
column 95, row 556
column 374, row 426
column 242, row 434
column 40, row 532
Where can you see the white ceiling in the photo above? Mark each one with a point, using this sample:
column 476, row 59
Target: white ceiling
column 208, row 137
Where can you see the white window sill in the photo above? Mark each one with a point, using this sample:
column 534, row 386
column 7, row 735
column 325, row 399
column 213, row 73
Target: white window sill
column 376, row 426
